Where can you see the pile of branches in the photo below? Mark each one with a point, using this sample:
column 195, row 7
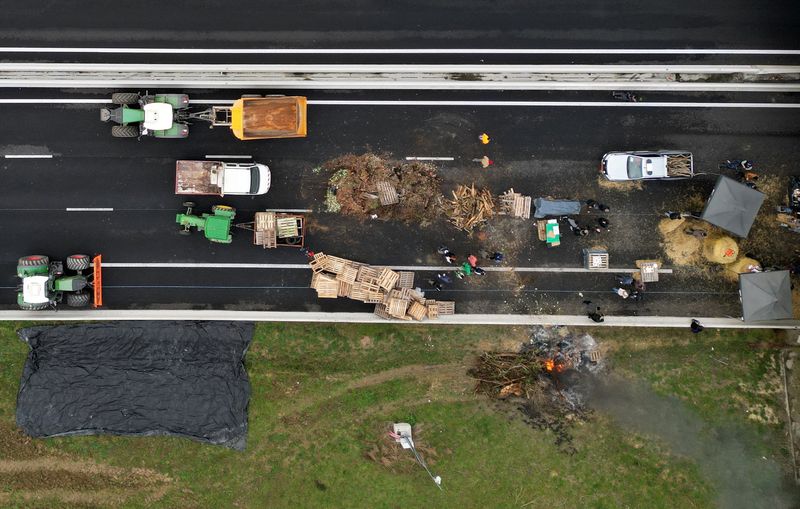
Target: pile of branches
column 504, row 374
column 470, row 207
column 519, row 379
column 352, row 188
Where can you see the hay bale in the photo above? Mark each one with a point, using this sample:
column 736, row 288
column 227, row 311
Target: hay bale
column 741, row 266
column 666, row 226
column 720, row 249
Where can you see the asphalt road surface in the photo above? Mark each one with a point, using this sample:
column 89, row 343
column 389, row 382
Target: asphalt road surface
column 403, row 23
column 538, row 151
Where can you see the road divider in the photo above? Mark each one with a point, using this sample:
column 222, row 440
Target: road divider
column 90, row 209
column 28, row 156
column 217, row 156
column 424, row 158
column 680, row 322
column 305, row 266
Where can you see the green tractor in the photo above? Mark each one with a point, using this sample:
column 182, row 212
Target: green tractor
column 45, row 284
column 159, row 115
column 216, row 226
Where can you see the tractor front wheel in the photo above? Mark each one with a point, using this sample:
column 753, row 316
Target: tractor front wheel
column 39, row 306
column 125, row 98
column 185, row 232
column 189, row 204
column 78, row 262
column 78, row 299
column 125, row 131
column 34, row 261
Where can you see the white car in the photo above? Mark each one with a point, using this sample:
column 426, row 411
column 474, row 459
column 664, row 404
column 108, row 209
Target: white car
column 221, row 178
column 655, row 165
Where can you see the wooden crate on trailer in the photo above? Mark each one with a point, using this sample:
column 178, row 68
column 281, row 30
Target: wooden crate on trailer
column 348, row 274
column 446, row 307
column 286, row 227
column 406, row 279
column 387, row 279
column 417, row 311
column 387, row 194
column 264, row 230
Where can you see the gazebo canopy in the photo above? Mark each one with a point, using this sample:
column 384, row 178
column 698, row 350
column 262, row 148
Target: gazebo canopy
column 732, row 206
column 765, row 295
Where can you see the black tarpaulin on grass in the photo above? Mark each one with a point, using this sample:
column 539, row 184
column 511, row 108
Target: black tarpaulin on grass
column 137, row 378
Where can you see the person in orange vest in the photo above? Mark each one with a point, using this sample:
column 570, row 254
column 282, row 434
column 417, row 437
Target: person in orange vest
column 484, row 138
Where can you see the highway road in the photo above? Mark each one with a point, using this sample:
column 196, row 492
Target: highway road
column 127, row 187
column 405, row 23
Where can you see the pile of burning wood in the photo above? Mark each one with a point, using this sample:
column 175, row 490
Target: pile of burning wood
column 469, row 207
column 391, row 291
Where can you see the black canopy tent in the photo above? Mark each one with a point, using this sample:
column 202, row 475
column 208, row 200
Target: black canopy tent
column 732, row 206
column 765, row 295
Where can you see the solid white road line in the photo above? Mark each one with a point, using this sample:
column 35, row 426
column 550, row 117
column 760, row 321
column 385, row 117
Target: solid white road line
column 496, row 104
column 401, row 51
column 29, row 156
column 216, row 156
column 681, row 322
column 429, row 268
column 423, row 158
column 89, row 209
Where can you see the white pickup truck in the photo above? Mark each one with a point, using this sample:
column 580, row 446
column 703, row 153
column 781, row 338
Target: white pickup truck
column 221, row 178
column 655, row 165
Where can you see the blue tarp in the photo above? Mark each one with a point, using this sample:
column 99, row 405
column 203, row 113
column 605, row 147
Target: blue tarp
column 554, row 208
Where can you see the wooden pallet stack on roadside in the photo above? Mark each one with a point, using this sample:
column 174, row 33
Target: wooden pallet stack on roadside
column 391, row 291
column 514, row 204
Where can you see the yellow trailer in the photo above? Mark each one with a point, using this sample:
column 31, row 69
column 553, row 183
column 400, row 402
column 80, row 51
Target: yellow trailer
column 258, row 118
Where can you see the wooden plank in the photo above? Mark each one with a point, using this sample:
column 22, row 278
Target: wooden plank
column 387, row 194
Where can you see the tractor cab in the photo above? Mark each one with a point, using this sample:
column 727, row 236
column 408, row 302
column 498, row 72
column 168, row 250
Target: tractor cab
column 157, row 116
column 35, row 290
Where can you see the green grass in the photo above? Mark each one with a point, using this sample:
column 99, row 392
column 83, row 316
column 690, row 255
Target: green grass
column 313, row 417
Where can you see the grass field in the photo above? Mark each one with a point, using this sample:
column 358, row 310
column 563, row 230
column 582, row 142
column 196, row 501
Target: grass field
column 322, row 396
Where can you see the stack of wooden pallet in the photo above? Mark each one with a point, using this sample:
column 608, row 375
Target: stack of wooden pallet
column 391, row 291
column 515, row 204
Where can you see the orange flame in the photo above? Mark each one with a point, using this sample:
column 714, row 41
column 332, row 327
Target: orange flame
column 549, row 364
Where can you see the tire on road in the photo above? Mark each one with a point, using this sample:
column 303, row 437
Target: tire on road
column 224, row 208
column 125, row 98
column 125, row 131
column 189, row 204
column 39, row 306
column 184, row 232
column 34, row 261
column 78, row 262
column 78, row 299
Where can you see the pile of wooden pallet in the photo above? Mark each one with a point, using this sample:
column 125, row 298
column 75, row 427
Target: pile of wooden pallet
column 515, row 204
column 391, row 291
column 470, row 207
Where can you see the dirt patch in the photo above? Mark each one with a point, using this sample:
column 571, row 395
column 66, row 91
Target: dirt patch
column 366, row 342
column 384, row 451
column 353, row 188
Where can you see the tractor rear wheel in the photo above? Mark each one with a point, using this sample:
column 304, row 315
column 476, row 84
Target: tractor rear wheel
column 125, row 131
column 78, row 262
column 189, row 204
column 125, row 98
column 34, row 261
column 39, row 306
column 78, row 299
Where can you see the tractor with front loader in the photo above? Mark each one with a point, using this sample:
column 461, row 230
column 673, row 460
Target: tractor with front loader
column 216, row 226
column 45, row 284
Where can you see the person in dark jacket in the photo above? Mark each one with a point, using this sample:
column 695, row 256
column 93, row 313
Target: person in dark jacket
column 695, row 327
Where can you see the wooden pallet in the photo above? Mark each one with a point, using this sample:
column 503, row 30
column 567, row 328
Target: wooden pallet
column 387, row 194
column 317, row 264
column 348, row 274
column 366, row 272
column 286, row 227
column 344, row 289
column 387, row 279
column 515, row 204
column 406, row 279
column 381, row 311
column 326, row 286
column 417, row 311
column 397, row 307
column 446, row 307
column 433, row 309
column 335, row 264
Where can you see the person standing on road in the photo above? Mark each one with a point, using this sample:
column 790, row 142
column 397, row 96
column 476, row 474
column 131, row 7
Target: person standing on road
column 596, row 316
column 625, row 280
column 496, row 257
column 484, row 138
column 621, row 292
column 472, row 260
column 478, row 271
column 695, row 327
column 444, row 278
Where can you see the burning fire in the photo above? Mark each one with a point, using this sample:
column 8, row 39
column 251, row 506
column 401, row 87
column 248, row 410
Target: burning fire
column 550, row 364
